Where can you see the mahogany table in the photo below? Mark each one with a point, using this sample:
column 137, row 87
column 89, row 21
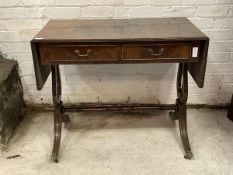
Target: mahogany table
column 120, row 41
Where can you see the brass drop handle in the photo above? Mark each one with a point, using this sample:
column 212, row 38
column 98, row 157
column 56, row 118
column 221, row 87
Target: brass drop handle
column 84, row 54
column 153, row 53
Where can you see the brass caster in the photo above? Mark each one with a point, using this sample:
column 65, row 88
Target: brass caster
column 67, row 121
column 54, row 158
column 188, row 155
column 173, row 115
column 65, row 118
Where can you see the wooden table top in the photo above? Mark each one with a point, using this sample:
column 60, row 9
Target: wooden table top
column 118, row 32
column 95, row 30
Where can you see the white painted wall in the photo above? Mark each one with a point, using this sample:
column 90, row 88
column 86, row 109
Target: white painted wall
column 20, row 20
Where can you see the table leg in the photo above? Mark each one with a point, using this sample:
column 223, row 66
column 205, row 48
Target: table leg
column 56, row 91
column 181, row 110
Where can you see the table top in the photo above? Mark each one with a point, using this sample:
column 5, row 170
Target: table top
column 119, row 30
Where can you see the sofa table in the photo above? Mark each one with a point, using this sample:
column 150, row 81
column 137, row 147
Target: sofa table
column 120, row 41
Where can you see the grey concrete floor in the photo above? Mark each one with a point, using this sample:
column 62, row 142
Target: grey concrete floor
column 122, row 144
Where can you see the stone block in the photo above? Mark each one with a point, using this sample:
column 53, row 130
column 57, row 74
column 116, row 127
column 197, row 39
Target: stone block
column 12, row 106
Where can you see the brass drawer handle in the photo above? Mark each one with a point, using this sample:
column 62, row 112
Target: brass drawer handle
column 151, row 51
column 84, row 54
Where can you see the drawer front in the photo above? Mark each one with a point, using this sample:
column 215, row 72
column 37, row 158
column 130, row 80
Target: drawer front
column 82, row 53
column 157, row 51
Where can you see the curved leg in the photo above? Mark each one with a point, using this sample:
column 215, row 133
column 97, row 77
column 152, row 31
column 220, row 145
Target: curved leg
column 56, row 91
column 182, row 93
column 184, row 133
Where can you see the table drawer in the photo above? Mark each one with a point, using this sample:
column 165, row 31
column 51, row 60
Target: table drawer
column 82, row 53
column 157, row 51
